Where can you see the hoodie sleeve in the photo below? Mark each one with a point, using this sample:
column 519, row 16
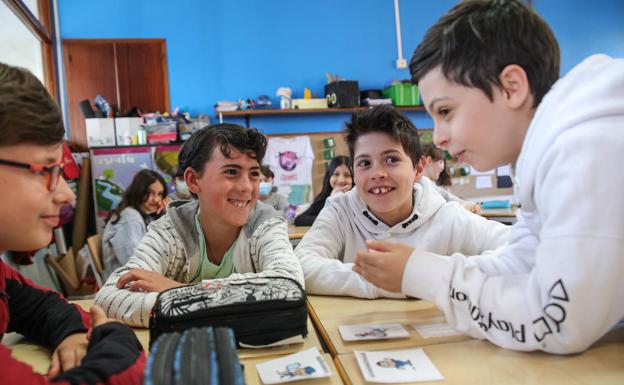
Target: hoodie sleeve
column 114, row 356
column 319, row 253
column 558, row 285
column 129, row 232
column 272, row 253
column 154, row 253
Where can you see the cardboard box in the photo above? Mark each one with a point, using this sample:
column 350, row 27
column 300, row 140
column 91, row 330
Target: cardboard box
column 126, row 129
column 100, row 132
column 306, row 104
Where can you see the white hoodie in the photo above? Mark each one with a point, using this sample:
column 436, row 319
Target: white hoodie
column 558, row 285
column 345, row 223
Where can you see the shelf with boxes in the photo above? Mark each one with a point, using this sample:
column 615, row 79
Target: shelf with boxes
column 273, row 112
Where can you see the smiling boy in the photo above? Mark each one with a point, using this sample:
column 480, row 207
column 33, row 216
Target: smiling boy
column 488, row 74
column 33, row 192
column 390, row 201
column 225, row 233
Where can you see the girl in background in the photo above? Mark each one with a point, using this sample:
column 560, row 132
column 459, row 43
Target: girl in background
column 143, row 201
column 338, row 178
column 434, row 168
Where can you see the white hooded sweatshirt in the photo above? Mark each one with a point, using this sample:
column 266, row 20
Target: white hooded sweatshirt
column 558, row 285
column 327, row 251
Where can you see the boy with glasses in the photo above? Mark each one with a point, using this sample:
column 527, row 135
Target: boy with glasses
column 33, row 191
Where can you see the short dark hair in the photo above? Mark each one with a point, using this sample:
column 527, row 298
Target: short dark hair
column 198, row 149
column 267, row 172
column 137, row 193
column 28, row 114
column 389, row 121
column 477, row 39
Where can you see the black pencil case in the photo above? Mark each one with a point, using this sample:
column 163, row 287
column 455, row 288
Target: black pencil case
column 261, row 311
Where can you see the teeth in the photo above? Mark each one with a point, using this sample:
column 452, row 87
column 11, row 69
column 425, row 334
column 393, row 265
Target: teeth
column 381, row 190
column 238, row 203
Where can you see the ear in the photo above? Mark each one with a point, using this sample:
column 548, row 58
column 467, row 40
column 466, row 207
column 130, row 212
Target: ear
column 191, row 179
column 418, row 169
column 515, row 86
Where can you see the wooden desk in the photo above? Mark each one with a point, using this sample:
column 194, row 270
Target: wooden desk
column 39, row 357
column 480, row 362
column 330, row 312
column 297, row 232
column 252, row 378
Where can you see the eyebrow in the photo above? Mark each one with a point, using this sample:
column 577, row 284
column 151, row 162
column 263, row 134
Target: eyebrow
column 386, row 152
column 435, row 100
column 238, row 166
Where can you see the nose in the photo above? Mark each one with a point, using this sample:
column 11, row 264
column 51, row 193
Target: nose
column 440, row 137
column 63, row 194
column 379, row 171
column 245, row 184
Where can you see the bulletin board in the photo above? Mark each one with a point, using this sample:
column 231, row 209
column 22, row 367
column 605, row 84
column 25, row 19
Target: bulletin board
column 321, row 152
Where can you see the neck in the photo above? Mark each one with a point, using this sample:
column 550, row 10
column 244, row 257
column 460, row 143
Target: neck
column 218, row 235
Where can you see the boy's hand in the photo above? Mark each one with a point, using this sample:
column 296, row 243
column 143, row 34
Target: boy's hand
column 139, row 279
column 383, row 264
column 68, row 354
column 72, row 350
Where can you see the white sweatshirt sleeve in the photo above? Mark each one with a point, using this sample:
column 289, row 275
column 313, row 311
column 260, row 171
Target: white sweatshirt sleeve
column 319, row 253
column 558, row 289
column 153, row 253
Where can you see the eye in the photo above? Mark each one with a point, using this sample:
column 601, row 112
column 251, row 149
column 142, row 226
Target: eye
column 231, row 171
column 392, row 159
column 256, row 175
column 363, row 163
column 444, row 111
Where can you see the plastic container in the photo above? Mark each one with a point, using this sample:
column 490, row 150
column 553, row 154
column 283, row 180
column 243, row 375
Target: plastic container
column 402, row 94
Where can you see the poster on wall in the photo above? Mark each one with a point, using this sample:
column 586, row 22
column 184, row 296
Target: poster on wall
column 114, row 168
column 291, row 161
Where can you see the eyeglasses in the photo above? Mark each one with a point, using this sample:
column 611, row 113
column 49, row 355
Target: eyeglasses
column 52, row 171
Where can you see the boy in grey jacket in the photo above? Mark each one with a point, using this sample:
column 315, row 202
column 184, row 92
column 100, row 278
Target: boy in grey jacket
column 225, row 232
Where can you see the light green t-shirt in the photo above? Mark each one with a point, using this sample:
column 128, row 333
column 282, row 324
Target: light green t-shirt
column 207, row 269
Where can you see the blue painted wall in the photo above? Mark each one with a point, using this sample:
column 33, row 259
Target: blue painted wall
column 231, row 49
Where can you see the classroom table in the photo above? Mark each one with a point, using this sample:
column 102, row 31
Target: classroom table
column 328, row 313
column 297, row 232
column 39, row 357
column 506, row 216
column 252, row 377
column 480, row 362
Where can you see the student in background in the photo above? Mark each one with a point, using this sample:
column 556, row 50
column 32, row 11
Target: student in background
column 488, row 75
column 386, row 204
column 434, row 167
column 338, row 178
column 181, row 191
column 224, row 233
column 267, row 195
column 33, row 191
column 143, row 202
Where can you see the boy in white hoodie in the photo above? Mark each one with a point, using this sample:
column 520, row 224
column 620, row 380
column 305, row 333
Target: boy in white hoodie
column 488, row 74
column 386, row 204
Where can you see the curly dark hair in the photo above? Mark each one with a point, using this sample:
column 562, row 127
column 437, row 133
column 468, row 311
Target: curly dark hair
column 137, row 193
column 198, row 149
column 387, row 120
column 28, row 114
column 477, row 39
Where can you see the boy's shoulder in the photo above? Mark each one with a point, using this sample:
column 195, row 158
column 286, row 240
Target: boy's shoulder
column 261, row 214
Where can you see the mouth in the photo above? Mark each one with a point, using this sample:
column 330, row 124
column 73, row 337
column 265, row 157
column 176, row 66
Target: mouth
column 51, row 220
column 381, row 190
column 239, row 203
column 459, row 155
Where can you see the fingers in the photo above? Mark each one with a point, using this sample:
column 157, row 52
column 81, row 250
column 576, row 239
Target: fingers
column 141, row 285
column 98, row 317
column 130, row 276
column 55, row 365
column 379, row 245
